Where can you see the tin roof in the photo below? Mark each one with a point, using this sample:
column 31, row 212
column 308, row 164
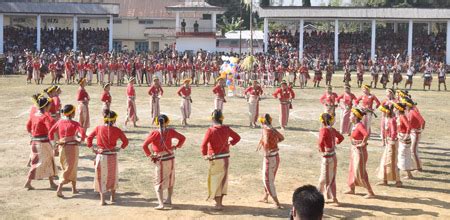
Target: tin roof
column 59, row 8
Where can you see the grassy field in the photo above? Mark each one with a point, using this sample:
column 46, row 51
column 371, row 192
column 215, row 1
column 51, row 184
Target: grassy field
column 426, row 196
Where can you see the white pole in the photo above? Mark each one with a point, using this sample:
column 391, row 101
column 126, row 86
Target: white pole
column 373, row 39
column 448, row 43
column 410, row 37
column 75, row 29
column 111, row 22
column 266, row 35
column 38, row 33
column 1, row 34
column 214, row 22
column 300, row 43
column 395, row 27
column 177, row 20
column 361, row 26
column 336, row 41
column 429, row 28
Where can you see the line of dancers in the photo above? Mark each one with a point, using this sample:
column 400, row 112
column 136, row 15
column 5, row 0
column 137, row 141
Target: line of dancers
column 54, row 132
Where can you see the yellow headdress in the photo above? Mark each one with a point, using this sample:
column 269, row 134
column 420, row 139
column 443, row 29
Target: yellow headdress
column 357, row 113
column 408, row 102
column 384, row 109
column 399, row 106
column 365, row 86
column 70, row 112
column 81, row 81
column 110, row 117
column 324, row 117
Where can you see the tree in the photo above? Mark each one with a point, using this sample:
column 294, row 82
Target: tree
column 306, row 3
column 335, row 3
column 227, row 26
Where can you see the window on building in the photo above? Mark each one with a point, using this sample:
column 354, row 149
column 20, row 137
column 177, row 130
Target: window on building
column 146, row 21
column 85, row 21
column 155, row 46
column 117, row 22
column 206, row 16
column 117, row 46
column 141, row 46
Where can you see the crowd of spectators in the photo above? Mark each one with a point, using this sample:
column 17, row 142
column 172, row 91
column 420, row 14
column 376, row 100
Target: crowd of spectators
column 55, row 40
column 320, row 44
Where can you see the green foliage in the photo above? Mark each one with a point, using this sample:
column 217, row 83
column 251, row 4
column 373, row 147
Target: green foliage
column 335, row 3
column 276, row 26
column 306, row 3
column 227, row 26
column 234, row 9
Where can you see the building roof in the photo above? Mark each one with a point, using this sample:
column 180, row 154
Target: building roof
column 194, row 6
column 257, row 35
column 145, row 8
column 59, row 8
column 354, row 13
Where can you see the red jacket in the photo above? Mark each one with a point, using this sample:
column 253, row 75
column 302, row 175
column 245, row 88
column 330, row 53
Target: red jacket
column 165, row 144
column 39, row 124
column 328, row 138
column 216, row 140
column 66, row 128
column 107, row 137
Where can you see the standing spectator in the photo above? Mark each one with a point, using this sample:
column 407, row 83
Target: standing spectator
column 196, row 27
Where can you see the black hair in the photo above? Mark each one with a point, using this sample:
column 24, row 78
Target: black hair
column 217, row 116
column 67, row 108
column 308, row 202
column 403, row 105
column 326, row 118
column 390, row 108
column 362, row 113
column 268, row 119
column 43, row 102
column 109, row 114
column 162, row 119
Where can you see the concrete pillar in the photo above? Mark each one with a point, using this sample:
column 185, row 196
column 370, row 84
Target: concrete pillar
column 177, row 20
column 1, row 34
column 448, row 43
column 38, row 33
column 373, row 39
column 214, row 22
column 110, row 40
column 410, row 37
column 429, row 25
column 395, row 27
column 361, row 26
column 266, row 35
column 300, row 41
column 336, row 41
column 75, row 29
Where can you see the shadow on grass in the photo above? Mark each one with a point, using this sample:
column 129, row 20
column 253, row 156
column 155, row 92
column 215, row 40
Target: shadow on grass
column 336, row 213
column 442, row 154
column 436, row 159
column 427, row 189
column 421, row 201
column 436, row 172
column 236, row 210
column 388, row 210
